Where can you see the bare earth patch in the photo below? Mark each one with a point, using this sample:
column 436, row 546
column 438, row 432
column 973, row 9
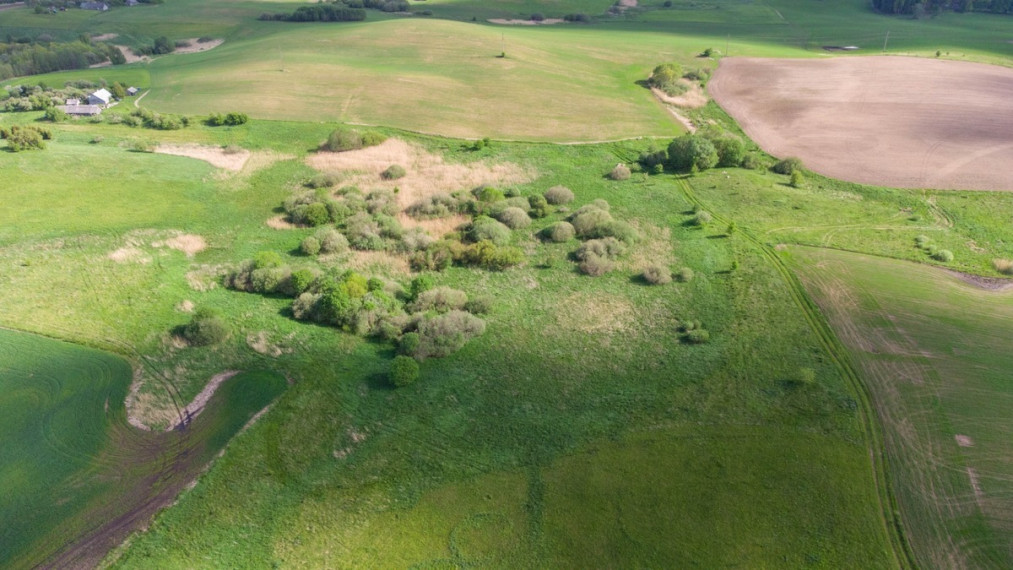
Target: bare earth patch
column 426, row 173
column 216, row 156
column 964, row 441
column 512, row 22
column 436, row 227
column 186, row 306
column 104, row 37
column 895, row 121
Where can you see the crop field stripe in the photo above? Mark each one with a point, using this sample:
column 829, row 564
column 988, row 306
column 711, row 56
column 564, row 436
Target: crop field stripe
column 842, row 360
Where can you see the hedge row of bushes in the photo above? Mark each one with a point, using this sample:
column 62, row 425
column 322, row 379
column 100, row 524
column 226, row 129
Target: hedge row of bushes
column 20, row 138
column 435, row 320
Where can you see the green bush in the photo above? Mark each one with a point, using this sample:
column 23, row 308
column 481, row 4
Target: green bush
column 558, row 195
column 701, row 219
column 408, row 344
column 310, row 246
column 514, row 218
column 485, row 228
column 752, row 162
column 491, row 256
column 587, row 220
column 393, row 172
column 731, row 151
column 345, row 138
column 301, row 280
column 692, row 151
column 331, row 241
column 445, row 334
column 697, row 336
column 488, row 194
column 559, row 232
column 943, row 255
column 321, row 181
column 657, row 275
column 538, row 207
column 787, row 166
column 55, row 115
column 403, row 371
column 797, row 180
column 439, row 299
column 205, row 328
column 620, row 172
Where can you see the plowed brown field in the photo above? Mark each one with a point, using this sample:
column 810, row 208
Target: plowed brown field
column 892, row 121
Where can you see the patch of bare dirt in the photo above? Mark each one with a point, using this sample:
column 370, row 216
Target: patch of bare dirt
column 426, row 173
column 218, row 157
column 964, row 441
column 513, row 22
column 889, row 120
column 104, row 37
column 988, row 283
column 190, row 244
column 130, row 56
column 186, row 306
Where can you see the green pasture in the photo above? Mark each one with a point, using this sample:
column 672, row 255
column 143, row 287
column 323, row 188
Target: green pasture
column 933, row 351
column 475, row 462
column 70, row 462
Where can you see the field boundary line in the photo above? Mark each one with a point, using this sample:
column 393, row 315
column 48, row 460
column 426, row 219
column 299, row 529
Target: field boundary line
column 839, row 355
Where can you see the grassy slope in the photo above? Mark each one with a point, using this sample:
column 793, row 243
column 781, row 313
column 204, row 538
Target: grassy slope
column 69, row 461
column 473, row 461
column 933, row 349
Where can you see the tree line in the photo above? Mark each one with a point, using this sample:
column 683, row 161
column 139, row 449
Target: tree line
column 930, row 7
column 19, row 58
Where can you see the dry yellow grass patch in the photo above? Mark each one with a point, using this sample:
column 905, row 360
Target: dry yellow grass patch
column 436, row 227
column 595, row 313
column 655, row 248
column 216, row 156
column 185, row 306
column 510, row 22
column 693, row 98
column 129, row 254
column 281, row 223
column 190, row 244
column 379, row 263
column 262, row 344
column 427, row 173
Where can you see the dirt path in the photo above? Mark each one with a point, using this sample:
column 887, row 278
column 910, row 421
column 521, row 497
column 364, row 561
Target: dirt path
column 895, row 121
column 137, row 102
column 194, row 408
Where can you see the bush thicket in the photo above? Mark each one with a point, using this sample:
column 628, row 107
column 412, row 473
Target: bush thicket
column 205, row 328
column 559, row 232
column 558, row 195
column 620, row 172
column 692, row 151
column 787, row 165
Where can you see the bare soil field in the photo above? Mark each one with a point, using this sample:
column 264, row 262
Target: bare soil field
column 893, row 121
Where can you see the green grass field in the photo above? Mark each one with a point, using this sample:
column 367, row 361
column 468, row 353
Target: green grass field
column 70, row 463
column 932, row 348
column 580, row 430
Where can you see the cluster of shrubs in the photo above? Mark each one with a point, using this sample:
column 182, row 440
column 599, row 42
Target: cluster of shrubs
column 672, row 80
column 346, row 138
column 28, row 137
column 319, row 13
column 694, row 333
column 423, row 320
column 161, row 46
column 925, row 244
column 152, row 120
column 579, row 17
column 227, row 120
column 205, row 328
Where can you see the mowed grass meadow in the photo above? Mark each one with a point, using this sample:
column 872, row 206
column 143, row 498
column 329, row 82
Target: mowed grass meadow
column 933, row 350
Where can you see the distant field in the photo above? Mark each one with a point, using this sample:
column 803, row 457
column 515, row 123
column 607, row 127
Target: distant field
column 71, row 469
column 901, row 122
column 433, row 76
column 933, row 350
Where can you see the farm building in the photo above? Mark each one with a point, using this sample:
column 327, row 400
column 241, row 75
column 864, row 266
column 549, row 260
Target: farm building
column 100, row 6
column 100, row 97
column 131, row 91
column 81, row 110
